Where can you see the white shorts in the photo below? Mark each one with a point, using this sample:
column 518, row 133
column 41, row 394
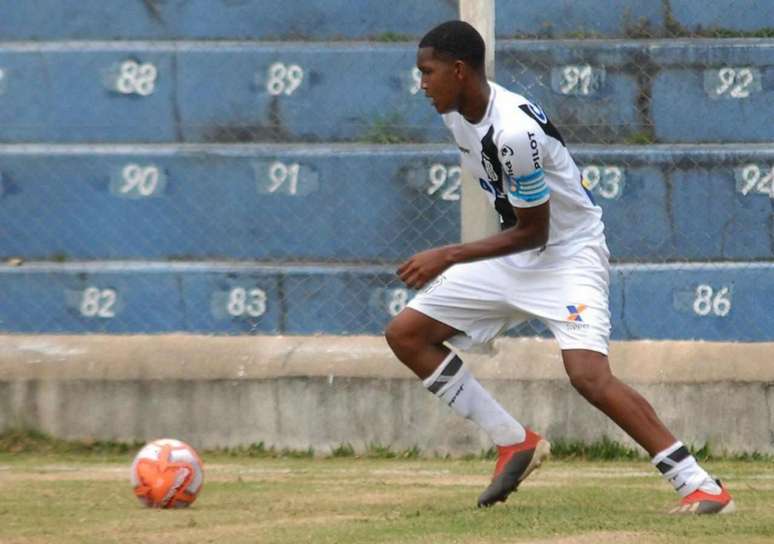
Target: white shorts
column 486, row 298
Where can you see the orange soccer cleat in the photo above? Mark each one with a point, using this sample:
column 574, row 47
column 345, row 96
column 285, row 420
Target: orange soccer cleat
column 704, row 502
column 514, row 464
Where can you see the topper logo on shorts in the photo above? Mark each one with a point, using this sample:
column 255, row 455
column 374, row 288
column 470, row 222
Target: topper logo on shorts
column 575, row 312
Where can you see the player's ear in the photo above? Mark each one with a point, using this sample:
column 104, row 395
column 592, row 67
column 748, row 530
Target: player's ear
column 460, row 69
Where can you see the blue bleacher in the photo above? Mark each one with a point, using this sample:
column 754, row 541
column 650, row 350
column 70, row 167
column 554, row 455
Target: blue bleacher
column 172, row 162
column 373, row 19
column 356, row 203
column 710, row 301
column 210, row 92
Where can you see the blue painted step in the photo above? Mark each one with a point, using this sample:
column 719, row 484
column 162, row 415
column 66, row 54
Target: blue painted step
column 344, row 203
column 708, row 302
column 367, row 19
column 595, row 91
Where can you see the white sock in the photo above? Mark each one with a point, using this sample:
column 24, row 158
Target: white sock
column 681, row 470
column 453, row 383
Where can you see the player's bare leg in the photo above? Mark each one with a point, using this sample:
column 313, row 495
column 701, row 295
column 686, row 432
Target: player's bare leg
column 590, row 375
column 417, row 340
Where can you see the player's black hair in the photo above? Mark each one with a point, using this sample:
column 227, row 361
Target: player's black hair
column 459, row 40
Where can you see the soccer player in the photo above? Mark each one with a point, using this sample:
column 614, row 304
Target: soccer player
column 549, row 261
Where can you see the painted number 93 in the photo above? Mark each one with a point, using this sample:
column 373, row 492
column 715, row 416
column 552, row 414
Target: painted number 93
column 606, row 181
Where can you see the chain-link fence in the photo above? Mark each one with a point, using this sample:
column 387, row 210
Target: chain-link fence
column 264, row 167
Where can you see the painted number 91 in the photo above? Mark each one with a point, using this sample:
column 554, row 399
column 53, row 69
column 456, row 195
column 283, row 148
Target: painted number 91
column 578, row 79
column 246, row 302
column 707, row 301
column 284, row 79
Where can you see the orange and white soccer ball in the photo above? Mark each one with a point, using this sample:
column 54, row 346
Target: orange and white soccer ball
column 167, row 473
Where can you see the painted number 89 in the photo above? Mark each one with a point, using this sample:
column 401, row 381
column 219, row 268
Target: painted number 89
column 284, row 78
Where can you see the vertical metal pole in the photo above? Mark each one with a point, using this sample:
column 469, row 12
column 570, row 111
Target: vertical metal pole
column 478, row 218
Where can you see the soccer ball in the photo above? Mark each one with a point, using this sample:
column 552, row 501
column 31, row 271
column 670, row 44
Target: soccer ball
column 167, row 473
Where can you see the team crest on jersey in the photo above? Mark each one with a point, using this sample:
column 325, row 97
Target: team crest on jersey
column 538, row 111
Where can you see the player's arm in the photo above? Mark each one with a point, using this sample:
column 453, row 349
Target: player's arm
column 531, row 232
column 521, row 160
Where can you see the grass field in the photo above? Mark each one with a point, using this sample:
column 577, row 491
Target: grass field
column 65, row 497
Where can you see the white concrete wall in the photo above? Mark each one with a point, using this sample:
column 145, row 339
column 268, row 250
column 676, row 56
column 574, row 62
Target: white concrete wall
column 320, row 392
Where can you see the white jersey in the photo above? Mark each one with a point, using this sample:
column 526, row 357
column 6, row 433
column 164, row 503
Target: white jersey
column 520, row 159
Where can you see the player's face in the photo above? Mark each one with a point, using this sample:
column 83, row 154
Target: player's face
column 440, row 80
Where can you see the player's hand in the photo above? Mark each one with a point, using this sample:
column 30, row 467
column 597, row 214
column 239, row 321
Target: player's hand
column 424, row 267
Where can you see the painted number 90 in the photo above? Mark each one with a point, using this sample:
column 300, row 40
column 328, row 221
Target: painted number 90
column 142, row 180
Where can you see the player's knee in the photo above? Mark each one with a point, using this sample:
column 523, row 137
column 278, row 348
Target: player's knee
column 590, row 385
column 400, row 336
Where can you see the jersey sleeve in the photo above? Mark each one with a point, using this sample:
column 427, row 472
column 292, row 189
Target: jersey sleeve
column 521, row 157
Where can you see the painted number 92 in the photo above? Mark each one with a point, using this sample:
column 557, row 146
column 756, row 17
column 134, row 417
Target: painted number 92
column 710, row 302
column 735, row 82
column 445, row 180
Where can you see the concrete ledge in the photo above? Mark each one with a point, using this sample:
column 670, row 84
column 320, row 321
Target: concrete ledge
column 320, row 392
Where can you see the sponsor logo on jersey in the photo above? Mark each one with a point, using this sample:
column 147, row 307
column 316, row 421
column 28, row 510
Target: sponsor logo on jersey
column 533, row 145
column 506, row 152
column 575, row 312
column 489, row 167
column 574, row 320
